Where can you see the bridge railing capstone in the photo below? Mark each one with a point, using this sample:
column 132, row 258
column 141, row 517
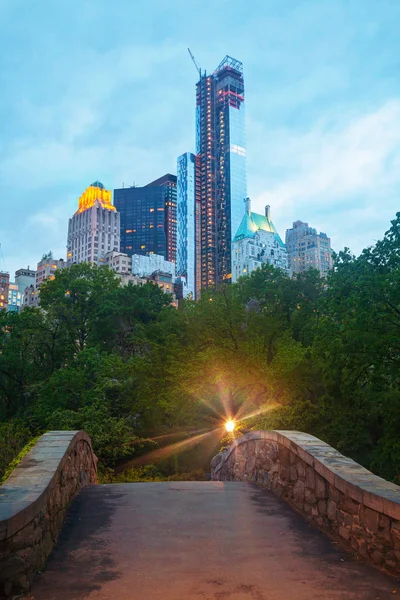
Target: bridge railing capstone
column 338, row 495
column 33, row 502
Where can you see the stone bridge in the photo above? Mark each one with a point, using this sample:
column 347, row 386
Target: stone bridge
column 284, row 517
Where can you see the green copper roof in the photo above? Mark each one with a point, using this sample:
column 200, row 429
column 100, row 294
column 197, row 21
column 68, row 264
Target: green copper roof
column 97, row 184
column 251, row 223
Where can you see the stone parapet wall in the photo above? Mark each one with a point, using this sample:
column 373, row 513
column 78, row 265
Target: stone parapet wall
column 335, row 493
column 33, row 502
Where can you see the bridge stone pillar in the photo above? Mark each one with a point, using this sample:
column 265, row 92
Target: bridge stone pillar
column 360, row 510
column 33, row 502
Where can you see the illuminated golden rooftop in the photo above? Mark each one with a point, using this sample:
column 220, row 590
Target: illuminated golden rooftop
column 95, row 193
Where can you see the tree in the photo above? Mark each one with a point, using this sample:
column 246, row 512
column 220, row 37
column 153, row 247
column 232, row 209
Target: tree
column 74, row 298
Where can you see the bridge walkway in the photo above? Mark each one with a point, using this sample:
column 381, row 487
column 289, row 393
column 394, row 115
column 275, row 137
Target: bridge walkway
column 198, row 541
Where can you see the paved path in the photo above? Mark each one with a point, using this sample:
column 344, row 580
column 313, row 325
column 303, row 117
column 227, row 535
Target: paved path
column 198, row 541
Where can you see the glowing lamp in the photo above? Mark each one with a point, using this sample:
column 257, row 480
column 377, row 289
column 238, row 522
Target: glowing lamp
column 230, row 426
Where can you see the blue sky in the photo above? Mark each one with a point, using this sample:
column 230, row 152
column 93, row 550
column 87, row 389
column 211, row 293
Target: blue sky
column 93, row 89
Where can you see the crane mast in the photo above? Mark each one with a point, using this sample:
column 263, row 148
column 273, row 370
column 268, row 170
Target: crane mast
column 194, row 62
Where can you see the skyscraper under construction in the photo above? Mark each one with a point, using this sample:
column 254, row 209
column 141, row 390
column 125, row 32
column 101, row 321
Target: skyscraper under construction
column 211, row 185
column 221, row 151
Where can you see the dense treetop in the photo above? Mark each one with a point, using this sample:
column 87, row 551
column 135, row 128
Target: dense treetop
column 321, row 356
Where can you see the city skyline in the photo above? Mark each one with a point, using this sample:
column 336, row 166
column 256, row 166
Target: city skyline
column 323, row 110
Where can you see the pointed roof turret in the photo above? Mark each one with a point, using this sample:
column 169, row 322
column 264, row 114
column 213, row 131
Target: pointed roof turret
column 253, row 222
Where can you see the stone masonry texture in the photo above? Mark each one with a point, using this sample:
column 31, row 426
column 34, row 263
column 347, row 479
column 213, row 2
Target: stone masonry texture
column 339, row 496
column 34, row 500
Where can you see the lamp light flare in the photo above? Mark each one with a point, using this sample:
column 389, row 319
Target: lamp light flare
column 230, row 426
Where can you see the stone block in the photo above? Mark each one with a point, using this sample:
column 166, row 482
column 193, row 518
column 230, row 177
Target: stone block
column 309, row 497
column 333, row 493
column 384, row 522
column 344, row 532
column 250, row 464
column 310, row 478
column 391, row 563
column 284, row 473
column 370, row 519
column 306, row 457
column 320, row 522
column 251, row 448
column 395, row 533
column 377, row 557
column 363, row 548
column 354, row 543
column 298, row 491
column 307, row 509
column 320, row 487
column 301, row 469
column 284, row 458
column 383, row 537
column 349, row 506
column 373, row 501
column 324, row 471
column 391, row 508
column 397, row 555
column 293, row 473
column 265, row 463
column 346, row 517
column 331, row 510
column 322, row 508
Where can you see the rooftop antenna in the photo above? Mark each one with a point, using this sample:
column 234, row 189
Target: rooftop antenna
column 194, row 62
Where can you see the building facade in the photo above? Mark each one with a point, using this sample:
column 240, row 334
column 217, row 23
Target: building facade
column 221, row 150
column 256, row 243
column 94, row 229
column 308, row 249
column 15, row 298
column 144, row 266
column 188, row 235
column 148, row 218
column 119, row 262
column 4, row 289
column 31, row 296
column 165, row 281
column 24, row 278
column 47, row 267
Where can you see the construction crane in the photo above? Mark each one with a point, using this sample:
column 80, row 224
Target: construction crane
column 2, row 263
column 194, row 62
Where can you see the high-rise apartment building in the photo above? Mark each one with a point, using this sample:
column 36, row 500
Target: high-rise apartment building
column 256, row 243
column 306, row 248
column 148, row 218
column 188, row 235
column 221, row 150
column 94, row 229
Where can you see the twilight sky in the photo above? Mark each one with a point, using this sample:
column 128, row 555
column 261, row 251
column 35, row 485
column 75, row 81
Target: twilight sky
column 93, row 89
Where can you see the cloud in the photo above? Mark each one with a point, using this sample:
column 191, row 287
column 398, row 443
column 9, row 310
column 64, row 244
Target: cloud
column 331, row 168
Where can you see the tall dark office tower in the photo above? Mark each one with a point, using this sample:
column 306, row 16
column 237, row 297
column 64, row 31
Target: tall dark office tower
column 148, row 218
column 221, row 150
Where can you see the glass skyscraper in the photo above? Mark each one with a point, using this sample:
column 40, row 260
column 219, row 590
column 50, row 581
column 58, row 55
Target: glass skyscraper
column 148, row 218
column 221, row 152
column 188, row 210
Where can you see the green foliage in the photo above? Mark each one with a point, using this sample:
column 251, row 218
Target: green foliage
column 112, row 437
column 13, row 439
column 150, row 473
column 270, row 351
column 7, row 472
